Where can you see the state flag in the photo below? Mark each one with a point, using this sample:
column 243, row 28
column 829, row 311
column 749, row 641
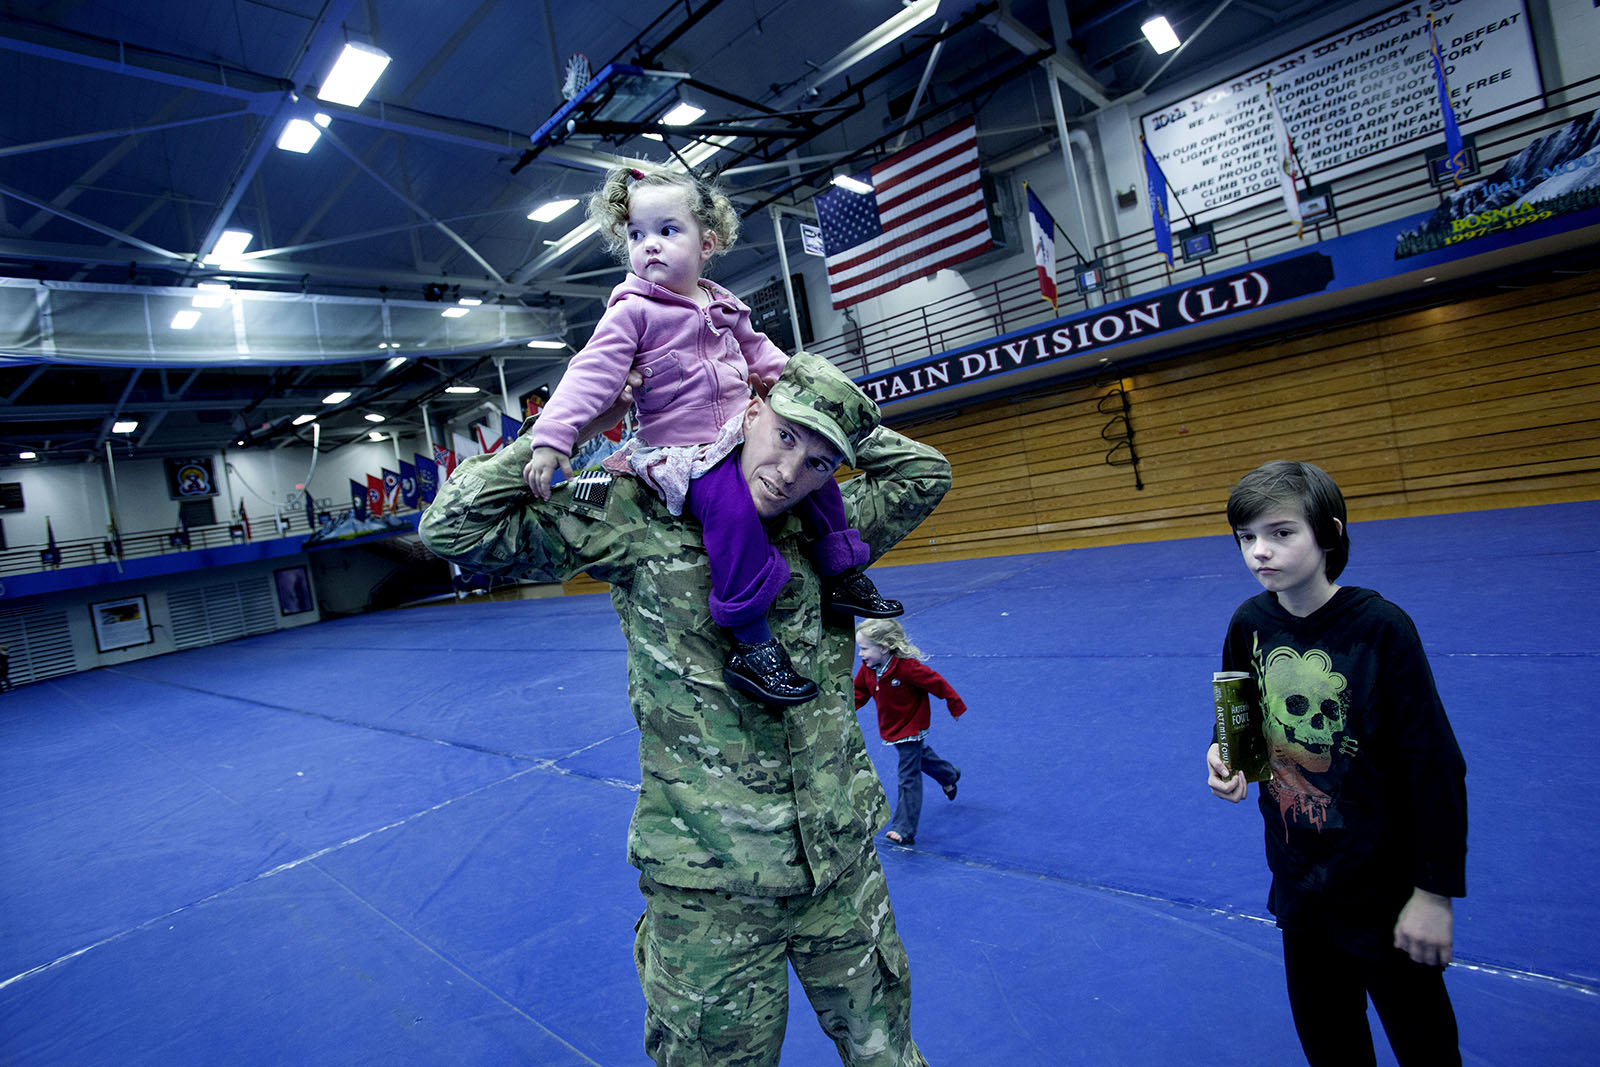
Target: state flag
column 427, row 479
column 1042, row 226
column 445, row 458
column 408, row 484
column 1156, row 188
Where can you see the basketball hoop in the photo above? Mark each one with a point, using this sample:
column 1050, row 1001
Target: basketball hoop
column 577, row 75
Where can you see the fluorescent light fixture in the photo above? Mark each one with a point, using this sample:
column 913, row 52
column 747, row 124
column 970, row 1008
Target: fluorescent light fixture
column 211, row 295
column 392, row 362
column 373, row 416
column 301, row 420
column 470, row 301
column 27, row 455
column 653, row 136
column 125, row 426
column 185, row 319
column 353, row 74
column 455, row 312
column 298, row 136
column 682, row 114
column 374, row 435
column 461, row 389
column 338, row 396
column 704, row 150
column 1158, row 31
column 322, row 119
column 230, row 245
column 552, row 345
column 552, row 210
column 854, row 185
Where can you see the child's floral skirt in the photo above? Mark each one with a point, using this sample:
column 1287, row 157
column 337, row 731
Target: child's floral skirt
column 668, row 469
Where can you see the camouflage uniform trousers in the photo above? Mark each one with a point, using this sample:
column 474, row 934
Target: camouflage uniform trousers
column 716, row 984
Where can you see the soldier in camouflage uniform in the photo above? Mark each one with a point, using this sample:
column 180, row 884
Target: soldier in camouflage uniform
column 754, row 825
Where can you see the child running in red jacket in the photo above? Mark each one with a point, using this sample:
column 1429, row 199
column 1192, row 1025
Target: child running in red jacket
column 891, row 673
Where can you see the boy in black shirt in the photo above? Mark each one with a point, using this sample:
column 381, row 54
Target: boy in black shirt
column 1366, row 812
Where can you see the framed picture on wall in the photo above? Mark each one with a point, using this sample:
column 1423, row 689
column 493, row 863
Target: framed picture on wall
column 121, row 623
column 294, row 590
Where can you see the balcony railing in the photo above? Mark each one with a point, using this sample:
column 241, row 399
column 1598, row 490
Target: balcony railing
column 1132, row 266
column 83, row 552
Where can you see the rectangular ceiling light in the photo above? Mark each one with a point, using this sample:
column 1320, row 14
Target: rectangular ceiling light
column 298, row 136
column 301, row 420
column 125, row 426
column 461, row 389
column 185, row 319
column 1158, row 31
column 455, row 312
column 373, row 416
column 682, row 114
column 551, row 345
column 230, row 246
column 470, row 301
column 353, row 74
column 854, row 185
column 338, row 396
column 552, row 210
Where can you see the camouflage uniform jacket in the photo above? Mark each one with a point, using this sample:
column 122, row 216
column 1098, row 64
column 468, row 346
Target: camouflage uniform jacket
column 733, row 796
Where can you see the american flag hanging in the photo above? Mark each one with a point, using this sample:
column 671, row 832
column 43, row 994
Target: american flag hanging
column 925, row 212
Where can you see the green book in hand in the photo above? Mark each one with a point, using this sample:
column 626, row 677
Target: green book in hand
column 1240, row 736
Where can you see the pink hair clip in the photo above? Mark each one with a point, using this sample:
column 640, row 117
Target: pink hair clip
column 638, row 175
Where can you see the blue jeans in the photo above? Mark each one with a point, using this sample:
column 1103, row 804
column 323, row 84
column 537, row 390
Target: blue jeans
column 916, row 759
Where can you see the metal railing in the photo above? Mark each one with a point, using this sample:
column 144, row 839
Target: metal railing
column 1132, row 265
column 86, row 551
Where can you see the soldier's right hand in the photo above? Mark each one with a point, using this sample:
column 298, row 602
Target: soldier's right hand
column 542, row 467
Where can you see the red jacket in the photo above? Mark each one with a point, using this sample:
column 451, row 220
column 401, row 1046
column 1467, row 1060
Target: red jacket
column 902, row 695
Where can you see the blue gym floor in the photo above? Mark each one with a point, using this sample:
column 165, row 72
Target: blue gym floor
column 399, row 838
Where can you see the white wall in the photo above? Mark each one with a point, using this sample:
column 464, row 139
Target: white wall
column 263, row 480
column 1566, row 35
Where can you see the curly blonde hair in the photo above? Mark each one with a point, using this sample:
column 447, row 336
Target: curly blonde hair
column 890, row 635
column 708, row 205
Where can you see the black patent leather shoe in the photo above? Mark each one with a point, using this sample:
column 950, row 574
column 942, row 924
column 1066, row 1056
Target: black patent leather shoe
column 852, row 593
column 763, row 672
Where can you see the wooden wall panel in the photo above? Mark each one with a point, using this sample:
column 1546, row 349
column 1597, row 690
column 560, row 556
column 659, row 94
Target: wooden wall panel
column 1488, row 402
column 1485, row 403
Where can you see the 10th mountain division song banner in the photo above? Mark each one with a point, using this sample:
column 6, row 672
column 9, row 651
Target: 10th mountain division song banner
column 1350, row 100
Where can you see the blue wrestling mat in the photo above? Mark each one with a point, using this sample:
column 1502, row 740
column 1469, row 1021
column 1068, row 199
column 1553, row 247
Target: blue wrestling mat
column 399, row 838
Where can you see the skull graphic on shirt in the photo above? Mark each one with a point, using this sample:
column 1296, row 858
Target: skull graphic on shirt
column 1305, row 706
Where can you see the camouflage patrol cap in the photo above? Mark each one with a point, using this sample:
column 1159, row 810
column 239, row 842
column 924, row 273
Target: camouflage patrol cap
column 819, row 396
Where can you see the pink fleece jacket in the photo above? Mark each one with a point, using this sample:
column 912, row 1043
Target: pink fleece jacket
column 694, row 360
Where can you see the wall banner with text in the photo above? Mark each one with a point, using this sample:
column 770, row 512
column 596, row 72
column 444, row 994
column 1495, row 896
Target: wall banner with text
column 1270, row 283
column 1350, row 100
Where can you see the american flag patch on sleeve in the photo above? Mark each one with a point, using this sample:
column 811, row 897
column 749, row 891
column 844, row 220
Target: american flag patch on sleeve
column 591, row 486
